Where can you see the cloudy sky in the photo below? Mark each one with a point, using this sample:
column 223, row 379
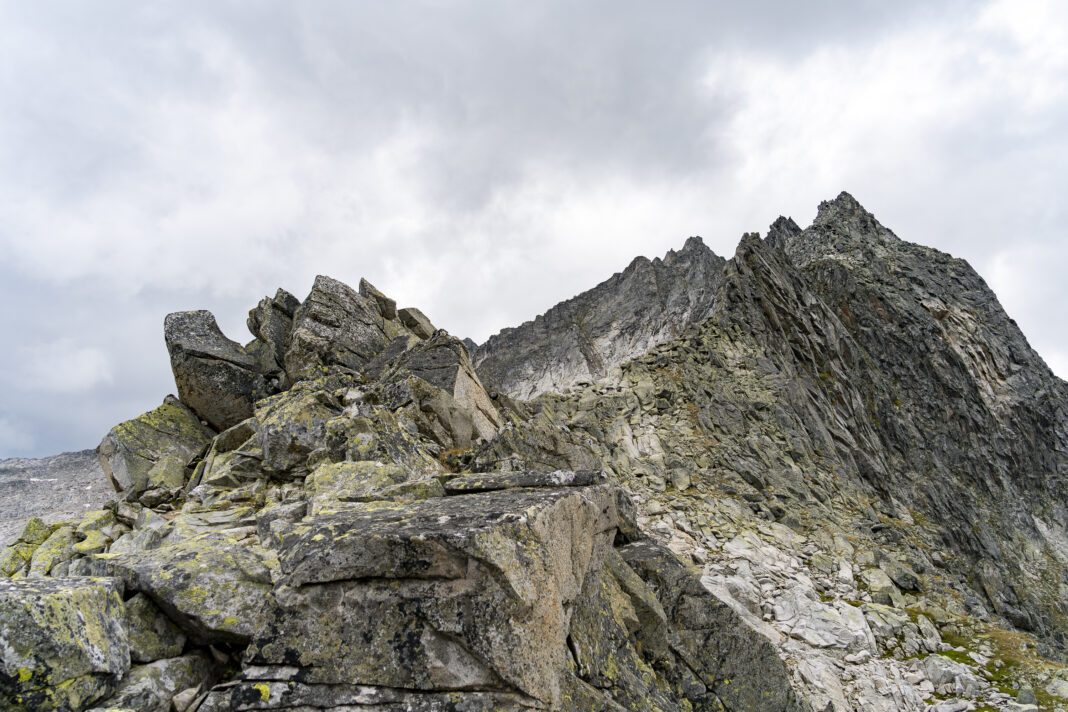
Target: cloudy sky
column 484, row 160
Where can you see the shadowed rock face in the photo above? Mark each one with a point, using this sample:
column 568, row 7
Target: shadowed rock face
column 648, row 303
column 827, row 474
column 215, row 376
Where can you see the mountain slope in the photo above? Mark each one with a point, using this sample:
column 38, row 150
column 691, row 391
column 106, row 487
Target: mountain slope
column 580, row 339
column 826, row 474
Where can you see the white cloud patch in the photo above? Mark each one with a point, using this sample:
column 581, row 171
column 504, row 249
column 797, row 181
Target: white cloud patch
column 887, row 117
column 14, row 439
column 193, row 155
column 63, row 366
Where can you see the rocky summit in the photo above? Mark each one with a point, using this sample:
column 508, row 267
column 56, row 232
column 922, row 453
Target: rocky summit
column 827, row 474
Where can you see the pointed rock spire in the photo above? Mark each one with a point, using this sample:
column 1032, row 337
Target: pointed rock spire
column 781, row 232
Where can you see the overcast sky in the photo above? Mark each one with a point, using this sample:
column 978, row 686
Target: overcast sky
column 484, row 160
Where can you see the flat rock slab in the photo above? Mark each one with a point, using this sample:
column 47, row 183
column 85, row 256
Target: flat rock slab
column 491, row 481
column 455, row 593
column 270, row 695
column 62, row 641
column 432, row 538
column 216, row 588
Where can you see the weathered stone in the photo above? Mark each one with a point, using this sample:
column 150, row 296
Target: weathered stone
column 168, row 473
column 607, row 655
column 150, row 688
column 271, row 694
column 335, row 327
column 216, row 589
column 488, row 482
column 465, row 592
column 881, row 588
column 275, row 518
column 271, row 321
column 951, row 677
column 291, row 426
column 736, row 663
column 151, row 634
column 62, row 642
column 1058, row 687
column 648, row 303
column 902, row 575
column 184, row 700
column 131, row 449
column 332, row 485
column 16, row 557
column 56, row 549
column 442, row 361
column 236, row 436
column 95, row 532
column 417, row 322
column 215, row 376
column 386, row 306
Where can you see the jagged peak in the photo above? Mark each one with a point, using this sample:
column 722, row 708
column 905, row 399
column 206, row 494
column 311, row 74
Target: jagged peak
column 782, row 231
column 844, row 205
column 847, row 211
column 693, row 244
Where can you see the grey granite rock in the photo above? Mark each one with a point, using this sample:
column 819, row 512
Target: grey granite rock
column 62, row 642
column 785, row 481
column 417, row 322
column 335, row 327
column 216, row 377
column 648, row 303
column 133, row 450
column 271, row 322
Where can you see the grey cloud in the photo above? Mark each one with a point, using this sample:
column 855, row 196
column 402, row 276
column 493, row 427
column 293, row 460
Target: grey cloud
column 480, row 160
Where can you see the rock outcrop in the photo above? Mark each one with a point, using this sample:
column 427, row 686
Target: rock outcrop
column 825, row 475
column 146, row 451
column 63, row 640
column 646, row 304
column 216, row 377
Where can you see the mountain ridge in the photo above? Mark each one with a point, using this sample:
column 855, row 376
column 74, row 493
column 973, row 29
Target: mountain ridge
column 669, row 294
column 828, row 473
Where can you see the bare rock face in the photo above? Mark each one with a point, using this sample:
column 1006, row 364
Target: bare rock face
column 335, row 326
column 271, row 322
column 437, row 593
column 826, row 474
column 216, row 377
column 133, row 453
column 650, row 302
column 443, row 362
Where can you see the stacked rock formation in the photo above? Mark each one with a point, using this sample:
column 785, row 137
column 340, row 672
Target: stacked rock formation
column 827, row 474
